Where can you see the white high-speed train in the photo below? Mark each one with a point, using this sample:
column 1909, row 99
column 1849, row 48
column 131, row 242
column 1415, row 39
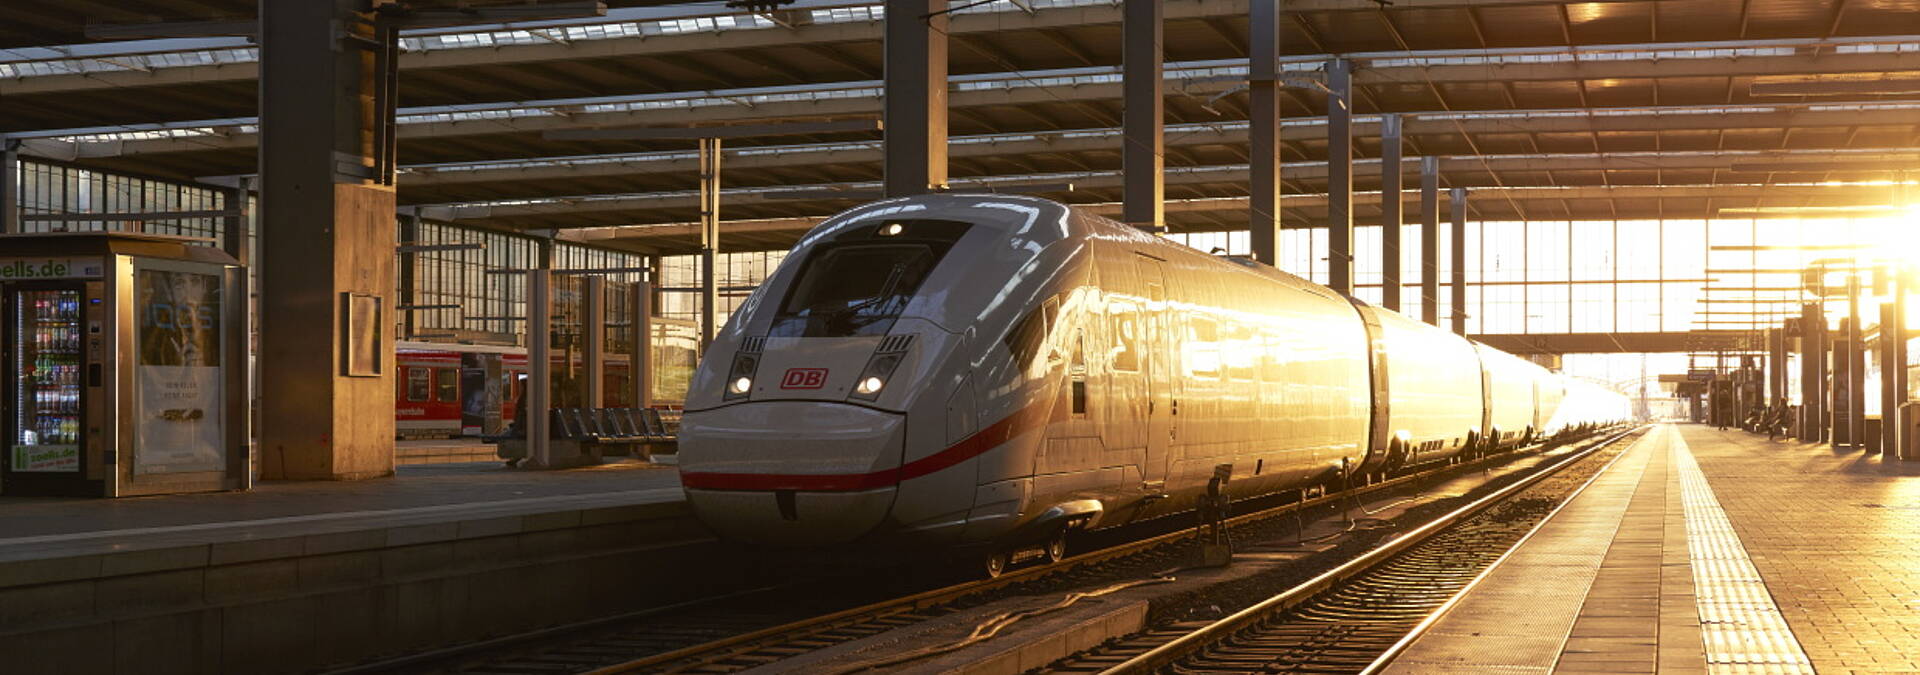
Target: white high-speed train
column 994, row 371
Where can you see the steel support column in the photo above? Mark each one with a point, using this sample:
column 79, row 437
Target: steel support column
column 709, row 240
column 409, row 269
column 593, row 332
column 539, row 389
column 1143, row 87
column 1430, row 240
column 1263, row 135
column 1904, row 442
column 914, row 108
column 1340, row 176
column 1892, row 355
column 1813, row 362
column 1390, row 216
column 9, row 185
column 236, row 232
column 235, row 239
column 640, row 381
column 1837, row 399
column 326, row 240
column 1776, row 365
column 1459, row 257
column 1856, row 367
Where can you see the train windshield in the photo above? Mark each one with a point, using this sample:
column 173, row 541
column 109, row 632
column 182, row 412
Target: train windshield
column 859, row 283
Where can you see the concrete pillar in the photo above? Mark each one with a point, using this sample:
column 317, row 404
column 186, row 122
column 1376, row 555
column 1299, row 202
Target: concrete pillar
column 326, row 244
column 9, row 185
column 1143, row 93
column 640, row 370
column 1430, row 240
column 1340, row 176
column 1390, row 219
column 1459, row 257
column 539, row 390
column 1263, row 134
column 914, row 108
column 709, row 240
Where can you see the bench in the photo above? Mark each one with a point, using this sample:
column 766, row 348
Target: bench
column 597, row 432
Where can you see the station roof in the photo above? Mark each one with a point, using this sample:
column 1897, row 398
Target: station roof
column 1632, row 109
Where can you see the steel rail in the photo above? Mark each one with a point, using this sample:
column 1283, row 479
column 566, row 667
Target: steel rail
column 1171, row 652
column 1380, row 662
column 747, row 642
column 738, row 644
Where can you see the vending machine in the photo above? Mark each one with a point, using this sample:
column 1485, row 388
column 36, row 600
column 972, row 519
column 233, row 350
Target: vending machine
column 125, row 366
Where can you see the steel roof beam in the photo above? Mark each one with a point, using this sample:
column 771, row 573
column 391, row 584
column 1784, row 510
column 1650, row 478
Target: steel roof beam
column 678, row 200
column 693, row 43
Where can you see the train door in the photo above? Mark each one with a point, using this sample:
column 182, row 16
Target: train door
column 479, row 394
column 1158, row 369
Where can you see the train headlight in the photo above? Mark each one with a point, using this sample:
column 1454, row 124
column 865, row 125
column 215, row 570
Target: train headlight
column 874, row 378
column 740, row 378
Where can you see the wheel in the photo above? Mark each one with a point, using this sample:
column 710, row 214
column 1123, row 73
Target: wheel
column 996, row 564
column 1057, row 547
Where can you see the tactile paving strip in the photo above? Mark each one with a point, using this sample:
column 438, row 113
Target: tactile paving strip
column 1740, row 625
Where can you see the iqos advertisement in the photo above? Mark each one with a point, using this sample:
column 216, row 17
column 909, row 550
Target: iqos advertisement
column 180, row 397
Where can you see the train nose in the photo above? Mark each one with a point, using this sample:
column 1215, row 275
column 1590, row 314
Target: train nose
column 791, row 472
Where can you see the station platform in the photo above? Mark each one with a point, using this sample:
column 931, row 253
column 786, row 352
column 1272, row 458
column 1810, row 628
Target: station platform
column 422, row 494
column 294, row 576
column 1704, row 551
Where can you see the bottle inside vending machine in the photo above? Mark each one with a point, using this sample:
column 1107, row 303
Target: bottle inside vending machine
column 45, row 365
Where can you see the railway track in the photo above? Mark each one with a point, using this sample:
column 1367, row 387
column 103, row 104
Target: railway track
column 760, row 626
column 1356, row 617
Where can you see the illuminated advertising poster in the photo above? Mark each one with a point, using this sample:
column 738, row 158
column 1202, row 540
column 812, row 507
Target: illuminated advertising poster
column 181, row 402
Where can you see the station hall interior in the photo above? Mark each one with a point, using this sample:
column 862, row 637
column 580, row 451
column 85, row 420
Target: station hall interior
column 460, row 335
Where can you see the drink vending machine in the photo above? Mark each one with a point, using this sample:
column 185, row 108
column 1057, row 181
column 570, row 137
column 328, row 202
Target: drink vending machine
column 125, row 366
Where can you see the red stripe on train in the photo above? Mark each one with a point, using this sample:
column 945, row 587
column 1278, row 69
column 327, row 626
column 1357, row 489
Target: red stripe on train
column 1027, row 419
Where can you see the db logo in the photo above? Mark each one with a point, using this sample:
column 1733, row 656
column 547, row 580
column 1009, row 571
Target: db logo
column 804, row 378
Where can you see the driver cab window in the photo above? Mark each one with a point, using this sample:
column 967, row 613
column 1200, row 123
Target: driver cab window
column 858, row 283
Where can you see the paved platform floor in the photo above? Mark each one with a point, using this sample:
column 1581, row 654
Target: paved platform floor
column 47, row 527
column 443, row 451
column 1704, row 551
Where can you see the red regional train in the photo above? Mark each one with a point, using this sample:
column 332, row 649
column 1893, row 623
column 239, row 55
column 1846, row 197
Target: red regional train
column 445, row 390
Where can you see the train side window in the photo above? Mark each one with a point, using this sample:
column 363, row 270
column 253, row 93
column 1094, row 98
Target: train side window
column 1077, row 374
column 1203, row 349
column 1126, row 337
column 1272, row 368
column 418, row 388
column 447, row 381
column 1241, row 352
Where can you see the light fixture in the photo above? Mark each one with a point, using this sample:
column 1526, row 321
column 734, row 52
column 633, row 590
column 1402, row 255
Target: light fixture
column 870, row 386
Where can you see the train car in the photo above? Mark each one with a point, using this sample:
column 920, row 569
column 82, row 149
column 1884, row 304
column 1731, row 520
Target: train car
column 447, row 390
column 450, row 390
column 990, row 372
column 1434, row 402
